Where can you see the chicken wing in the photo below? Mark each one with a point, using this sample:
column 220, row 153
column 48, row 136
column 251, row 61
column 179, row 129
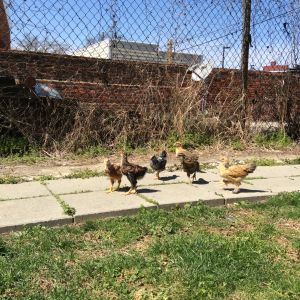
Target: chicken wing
column 234, row 174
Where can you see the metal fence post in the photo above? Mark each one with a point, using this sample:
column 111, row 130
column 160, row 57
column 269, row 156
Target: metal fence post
column 245, row 58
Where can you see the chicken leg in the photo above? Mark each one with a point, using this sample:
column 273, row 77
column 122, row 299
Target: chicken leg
column 119, row 182
column 132, row 190
column 157, row 175
column 110, row 190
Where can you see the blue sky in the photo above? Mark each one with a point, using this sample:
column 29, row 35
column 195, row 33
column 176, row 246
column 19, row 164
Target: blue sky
column 201, row 27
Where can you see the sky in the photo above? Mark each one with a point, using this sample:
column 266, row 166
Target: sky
column 197, row 27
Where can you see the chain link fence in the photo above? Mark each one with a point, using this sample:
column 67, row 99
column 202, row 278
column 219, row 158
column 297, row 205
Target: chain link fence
column 204, row 38
column 146, row 30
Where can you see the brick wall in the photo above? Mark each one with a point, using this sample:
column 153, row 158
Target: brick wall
column 95, row 80
column 129, row 83
column 266, row 91
column 224, row 83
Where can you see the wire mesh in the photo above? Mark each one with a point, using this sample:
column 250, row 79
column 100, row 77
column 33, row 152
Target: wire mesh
column 145, row 30
column 174, row 32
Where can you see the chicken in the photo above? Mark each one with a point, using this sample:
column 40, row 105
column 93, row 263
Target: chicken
column 190, row 165
column 113, row 171
column 132, row 172
column 180, row 150
column 158, row 163
column 234, row 174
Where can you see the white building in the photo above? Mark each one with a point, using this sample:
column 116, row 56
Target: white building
column 124, row 50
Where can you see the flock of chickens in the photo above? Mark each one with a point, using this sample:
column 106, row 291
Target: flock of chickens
column 231, row 174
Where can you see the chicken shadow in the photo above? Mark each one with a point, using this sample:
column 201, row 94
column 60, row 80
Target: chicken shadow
column 168, row 178
column 141, row 190
column 200, row 181
column 243, row 190
column 146, row 190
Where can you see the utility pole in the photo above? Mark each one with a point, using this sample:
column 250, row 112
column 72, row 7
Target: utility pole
column 223, row 56
column 113, row 28
column 4, row 28
column 245, row 58
column 170, row 52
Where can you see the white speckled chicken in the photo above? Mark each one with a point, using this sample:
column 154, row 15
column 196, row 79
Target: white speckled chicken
column 158, row 162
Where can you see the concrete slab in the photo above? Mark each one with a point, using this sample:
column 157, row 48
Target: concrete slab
column 182, row 193
column 178, row 177
column 276, row 171
column 249, row 192
column 14, row 214
column 22, row 190
column 166, row 178
column 276, row 185
column 39, row 207
column 66, row 186
column 100, row 204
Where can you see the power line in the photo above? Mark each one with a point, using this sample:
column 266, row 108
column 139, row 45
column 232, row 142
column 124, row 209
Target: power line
column 236, row 31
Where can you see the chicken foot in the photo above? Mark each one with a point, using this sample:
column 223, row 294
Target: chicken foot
column 131, row 191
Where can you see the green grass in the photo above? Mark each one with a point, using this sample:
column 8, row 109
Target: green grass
column 284, row 205
column 189, row 139
column 276, row 139
column 27, row 158
column 84, row 173
column 192, row 253
column 295, row 161
column 68, row 210
column 44, row 177
column 10, row 179
column 93, row 151
column 267, row 162
column 238, row 145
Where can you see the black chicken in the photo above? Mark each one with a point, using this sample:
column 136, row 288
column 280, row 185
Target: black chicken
column 132, row 172
column 190, row 165
column 158, row 163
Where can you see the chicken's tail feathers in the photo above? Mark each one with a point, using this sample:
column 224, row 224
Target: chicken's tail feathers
column 141, row 172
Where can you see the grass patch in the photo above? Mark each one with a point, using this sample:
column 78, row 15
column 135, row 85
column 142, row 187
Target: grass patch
column 84, row 173
column 68, row 210
column 190, row 139
column 234, row 252
column 283, row 205
column 295, row 161
column 238, row 145
column 10, row 179
column 44, row 178
column 93, row 151
column 266, row 162
column 275, row 139
column 18, row 150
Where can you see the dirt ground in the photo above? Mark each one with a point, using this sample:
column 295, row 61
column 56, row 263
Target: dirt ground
column 61, row 166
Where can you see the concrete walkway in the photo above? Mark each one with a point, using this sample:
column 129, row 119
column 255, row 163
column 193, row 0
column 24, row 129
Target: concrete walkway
column 44, row 202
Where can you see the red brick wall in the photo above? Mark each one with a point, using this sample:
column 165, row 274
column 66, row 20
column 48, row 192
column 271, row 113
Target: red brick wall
column 224, row 83
column 129, row 83
column 266, row 91
column 96, row 80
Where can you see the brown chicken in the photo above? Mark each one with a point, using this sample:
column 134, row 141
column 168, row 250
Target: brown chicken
column 132, row 172
column 234, row 174
column 190, row 166
column 113, row 171
column 179, row 150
